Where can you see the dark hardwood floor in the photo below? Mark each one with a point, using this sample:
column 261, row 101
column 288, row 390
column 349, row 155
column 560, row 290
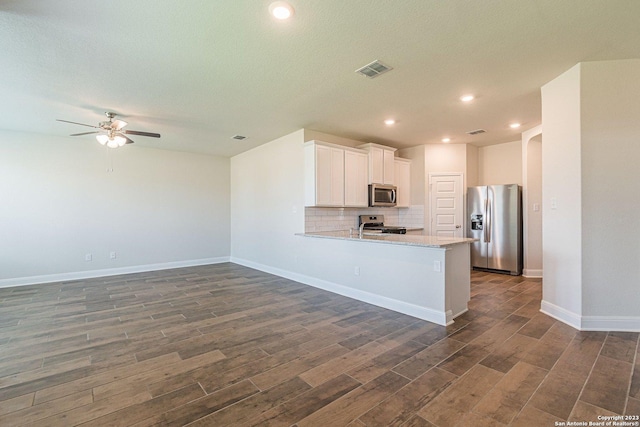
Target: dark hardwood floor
column 226, row 345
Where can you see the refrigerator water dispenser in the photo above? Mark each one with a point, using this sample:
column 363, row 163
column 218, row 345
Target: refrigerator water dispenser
column 476, row 222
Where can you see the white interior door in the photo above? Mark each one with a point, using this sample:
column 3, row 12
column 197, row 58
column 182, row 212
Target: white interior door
column 446, row 201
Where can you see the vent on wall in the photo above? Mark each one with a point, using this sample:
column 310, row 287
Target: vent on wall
column 238, row 137
column 476, row 132
column 374, row 69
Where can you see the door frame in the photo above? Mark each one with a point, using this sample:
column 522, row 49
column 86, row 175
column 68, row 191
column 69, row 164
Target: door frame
column 462, row 195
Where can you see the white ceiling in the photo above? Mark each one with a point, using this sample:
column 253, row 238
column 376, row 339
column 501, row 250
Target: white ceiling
column 200, row 71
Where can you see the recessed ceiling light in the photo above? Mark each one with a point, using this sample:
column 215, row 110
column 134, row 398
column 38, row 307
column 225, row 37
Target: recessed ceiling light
column 281, row 10
column 446, row 139
column 466, row 98
column 514, row 125
column 389, row 122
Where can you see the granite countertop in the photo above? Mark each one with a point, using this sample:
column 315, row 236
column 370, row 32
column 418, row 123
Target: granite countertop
column 393, row 239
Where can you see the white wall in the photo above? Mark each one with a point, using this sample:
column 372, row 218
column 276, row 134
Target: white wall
column 59, row 203
column 610, row 103
column 416, row 155
column 310, row 135
column 500, row 164
column 533, row 199
column 589, row 157
column 267, row 202
column 267, row 210
column 561, row 189
column 472, row 176
column 445, row 158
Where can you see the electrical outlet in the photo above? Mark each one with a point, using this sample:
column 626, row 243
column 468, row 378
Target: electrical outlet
column 437, row 266
column 356, row 271
column 554, row 203
column 88, row 257
column 113, row 255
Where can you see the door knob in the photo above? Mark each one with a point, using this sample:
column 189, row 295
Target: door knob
column 458, row 226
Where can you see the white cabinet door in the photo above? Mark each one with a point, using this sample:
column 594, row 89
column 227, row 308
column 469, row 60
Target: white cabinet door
column 403, row 182
column 355, row 179
column 388, row 166
column 324, row 176
column 337, row 177
column 329, row 176
column 381, row 163
column 376, row 166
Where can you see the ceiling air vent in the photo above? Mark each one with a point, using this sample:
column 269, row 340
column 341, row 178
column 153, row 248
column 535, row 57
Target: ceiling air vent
column 476, row 132
column 374, row 69
column 238, row 137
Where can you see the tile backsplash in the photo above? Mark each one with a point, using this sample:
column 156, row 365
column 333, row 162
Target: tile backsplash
column 330, row 219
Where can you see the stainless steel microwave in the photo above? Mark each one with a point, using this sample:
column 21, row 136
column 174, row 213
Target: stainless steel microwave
column 382, row 195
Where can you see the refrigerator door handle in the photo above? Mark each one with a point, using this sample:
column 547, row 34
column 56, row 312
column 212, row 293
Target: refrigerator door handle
column 486, row 221
column 488, row 225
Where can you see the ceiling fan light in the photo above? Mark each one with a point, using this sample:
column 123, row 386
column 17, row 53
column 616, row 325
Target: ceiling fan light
column 112, row 143
column 102, row 139
column 120, row 140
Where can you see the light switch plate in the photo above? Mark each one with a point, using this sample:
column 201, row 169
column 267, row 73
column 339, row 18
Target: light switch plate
column 437, row 266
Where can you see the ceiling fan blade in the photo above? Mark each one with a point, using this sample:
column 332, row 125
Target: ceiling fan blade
column 76, row 123
column 118, row 124
column 83, row 133
column 137, row 132
column 129, row 140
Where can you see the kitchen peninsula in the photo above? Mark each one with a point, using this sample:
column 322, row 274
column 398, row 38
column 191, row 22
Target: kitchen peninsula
column 426, row 277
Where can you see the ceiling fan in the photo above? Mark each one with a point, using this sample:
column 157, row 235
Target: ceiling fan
column 111, row 132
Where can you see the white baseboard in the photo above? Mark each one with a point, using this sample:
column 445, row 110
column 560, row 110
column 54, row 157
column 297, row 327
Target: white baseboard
column 90, row 274
column 532, row 274
column 565, row 316
column 592, row 323
column 611, row 323
column 423, row 313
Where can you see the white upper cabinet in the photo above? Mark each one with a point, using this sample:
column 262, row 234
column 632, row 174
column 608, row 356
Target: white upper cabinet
column 388, row 167
column 355, row 178
column 324, row 175
column 381, row 163
column 403, row 182
column 335, row 176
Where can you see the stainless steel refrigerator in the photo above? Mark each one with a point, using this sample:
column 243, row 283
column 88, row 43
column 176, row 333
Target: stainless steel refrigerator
column 495, row 219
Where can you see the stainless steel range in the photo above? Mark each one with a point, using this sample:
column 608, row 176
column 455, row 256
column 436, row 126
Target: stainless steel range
column 376, row 223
